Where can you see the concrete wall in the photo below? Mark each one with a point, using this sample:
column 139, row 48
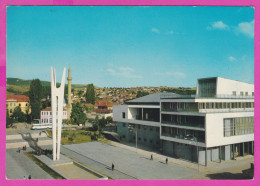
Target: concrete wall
column 117, row 112
column 215, row 129
column 227, row 86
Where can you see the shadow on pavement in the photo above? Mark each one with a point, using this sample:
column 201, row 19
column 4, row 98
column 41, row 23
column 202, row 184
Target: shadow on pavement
column 32, row 142
column 228, row 176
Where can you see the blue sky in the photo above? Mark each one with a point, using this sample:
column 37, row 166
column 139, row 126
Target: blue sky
column 131, row 46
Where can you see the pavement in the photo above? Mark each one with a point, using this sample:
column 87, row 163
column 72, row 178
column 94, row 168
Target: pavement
column 129, row 162
column 19, row 165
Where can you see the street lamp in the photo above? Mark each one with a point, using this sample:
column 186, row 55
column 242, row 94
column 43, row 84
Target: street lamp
column 132, row 129
column 188, row 137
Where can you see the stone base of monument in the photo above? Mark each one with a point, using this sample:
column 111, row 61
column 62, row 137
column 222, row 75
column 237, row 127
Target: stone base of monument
column 70, row 169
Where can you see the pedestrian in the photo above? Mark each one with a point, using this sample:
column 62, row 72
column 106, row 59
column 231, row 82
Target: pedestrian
column 113, row 166
column 25, row 147
column 40, row 133
column 166, row 160
column 19, row 149
column 36, row 139
column 24, row 177
column 151, row 157
column 29, row 177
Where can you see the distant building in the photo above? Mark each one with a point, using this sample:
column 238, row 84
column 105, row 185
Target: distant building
column 46, row 115
column 22, row 101
column 218, row 121
column 104, row 108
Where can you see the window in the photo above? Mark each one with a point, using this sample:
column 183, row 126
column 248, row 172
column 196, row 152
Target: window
column 145, row 139
column 14, row 104
column 50, row 113
column 139, row 138
column 123, row 124
column 26, row 104
column 11, row 104
column 253, row 93
column 157, row 129
column 151, row 128
column 241, row 93
column 234, row 93
column 20, row 105
column 11, row 111
column 246, row 93
column 151, row 141
column 123, row 114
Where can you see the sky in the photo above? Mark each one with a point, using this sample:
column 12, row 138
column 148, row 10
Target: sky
column 128, row 46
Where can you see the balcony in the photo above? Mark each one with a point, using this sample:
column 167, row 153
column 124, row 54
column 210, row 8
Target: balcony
column 182, row 137
column 193, row 125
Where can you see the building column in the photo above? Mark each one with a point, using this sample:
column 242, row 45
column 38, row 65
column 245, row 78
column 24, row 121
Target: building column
column 243, row 151
column 220, row 154
column 206, row 158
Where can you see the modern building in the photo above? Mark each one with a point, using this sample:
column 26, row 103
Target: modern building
column 216, row 123
column 46, row 115
column 13, row 101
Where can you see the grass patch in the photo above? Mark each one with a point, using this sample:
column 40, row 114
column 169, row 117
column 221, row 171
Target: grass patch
column 52, row 173
column 69, row 137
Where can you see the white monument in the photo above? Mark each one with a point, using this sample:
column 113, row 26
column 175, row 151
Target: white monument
column 57, row 97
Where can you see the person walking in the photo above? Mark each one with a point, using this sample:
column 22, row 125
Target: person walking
column 29, row 177
column 166, row 160
column 113, row 166
column 151, row 157
column 40, row 133
column 19, row 149
column 24, row 177
column 25, row 147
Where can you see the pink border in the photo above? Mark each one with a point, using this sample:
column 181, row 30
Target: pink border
column 5, row 3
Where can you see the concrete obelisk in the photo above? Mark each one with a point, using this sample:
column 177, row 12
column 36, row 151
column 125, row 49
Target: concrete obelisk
column 57, row 97
column 69, row 106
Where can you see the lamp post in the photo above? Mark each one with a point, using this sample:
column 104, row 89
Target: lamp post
column 132, row 129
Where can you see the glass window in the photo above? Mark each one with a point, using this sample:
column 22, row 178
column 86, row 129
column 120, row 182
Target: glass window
column 11, row 104
column 11, row 111
column 123, row 114
column 14, row 104
column 234, row 93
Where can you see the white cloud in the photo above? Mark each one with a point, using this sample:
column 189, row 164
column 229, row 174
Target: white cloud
column 155, row 30
column 247, row 28
column 231, row 58
column 218, row 25
column 125, row 72
column 170, row 32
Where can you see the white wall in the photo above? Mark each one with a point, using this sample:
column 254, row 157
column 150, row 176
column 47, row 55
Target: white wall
column 215, row 129
column 227, row 86
column 117, row 112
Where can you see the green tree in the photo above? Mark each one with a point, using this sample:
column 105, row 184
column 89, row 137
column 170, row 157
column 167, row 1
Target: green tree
column 77, row 114
column 101, row 124
column 9, row 121
column 90, row 94
column 141, row 94
column 46, row 103
column 18, row 115
column 35, row 98
column 109, row 119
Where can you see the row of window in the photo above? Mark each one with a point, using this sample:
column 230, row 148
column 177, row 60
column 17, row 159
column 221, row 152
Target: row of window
column 14, row 104
column 50, row 113
column 226, row 105
column 238, row 126
column 234, row 93
column 144, row 139
column 144, row 127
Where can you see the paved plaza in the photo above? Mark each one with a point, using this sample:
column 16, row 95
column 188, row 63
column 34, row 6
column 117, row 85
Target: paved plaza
column 131, row 163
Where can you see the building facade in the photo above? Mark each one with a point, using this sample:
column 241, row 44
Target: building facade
column 13, row 101
column 216, row 123
column 46, row 115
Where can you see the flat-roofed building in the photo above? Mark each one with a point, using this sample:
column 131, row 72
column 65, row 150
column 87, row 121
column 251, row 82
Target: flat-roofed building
column 216, row 123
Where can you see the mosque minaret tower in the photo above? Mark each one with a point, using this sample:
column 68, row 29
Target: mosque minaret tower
column 69, row 106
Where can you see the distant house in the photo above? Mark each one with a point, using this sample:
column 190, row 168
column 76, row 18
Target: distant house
column 104, row 108
column 13, row 101
column 46, row 115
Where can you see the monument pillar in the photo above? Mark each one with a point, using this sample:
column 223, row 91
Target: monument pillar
column 69, row 106
column 57, row 97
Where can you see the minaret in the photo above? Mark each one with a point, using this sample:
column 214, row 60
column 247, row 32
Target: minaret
column 69, row 107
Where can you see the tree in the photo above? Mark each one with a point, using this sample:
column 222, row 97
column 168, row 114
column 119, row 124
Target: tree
column 77, row 114
column 9, row 121
column 35, row 98
column 109, row 119
column 141, row 94
column 101, row 124
column 90, row 94
column 18, row 115
column 46, row 103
